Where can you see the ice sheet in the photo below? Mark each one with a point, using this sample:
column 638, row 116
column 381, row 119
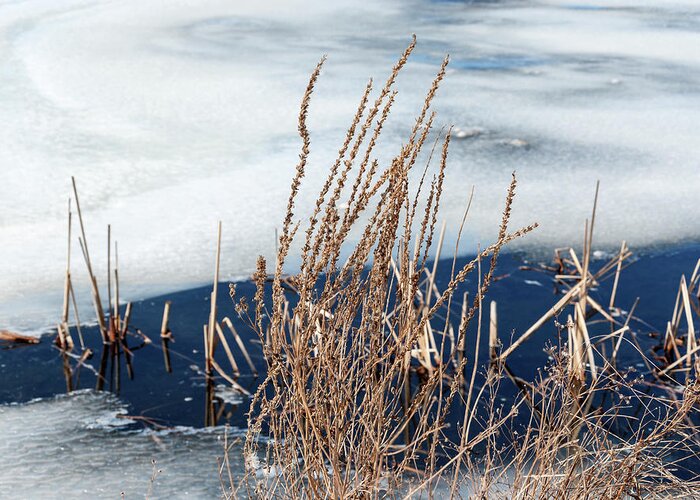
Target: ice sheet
column 174, row 116
column 75, row 446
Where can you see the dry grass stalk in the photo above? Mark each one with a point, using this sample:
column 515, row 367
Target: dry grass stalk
column 623, row 250
column 578, row 293
column 214, row 334
column 64, row 336
column 93, row 280
column 229, row 354
column 241, row 345
column 114, row 328
column 11, row 337
column 210, row 330
column 165, row 336
column 164, row 330
column 115, row 314
column 686, row 306
column 493, row 332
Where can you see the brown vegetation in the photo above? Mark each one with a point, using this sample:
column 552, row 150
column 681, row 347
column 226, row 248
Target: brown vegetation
column 365, row 370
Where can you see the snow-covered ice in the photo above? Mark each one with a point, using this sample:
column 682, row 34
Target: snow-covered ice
column 173, row 116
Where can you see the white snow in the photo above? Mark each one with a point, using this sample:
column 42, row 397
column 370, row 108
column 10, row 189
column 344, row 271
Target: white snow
column 173, row 115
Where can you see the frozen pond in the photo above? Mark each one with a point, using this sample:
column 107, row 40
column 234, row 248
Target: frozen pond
column 172, row 117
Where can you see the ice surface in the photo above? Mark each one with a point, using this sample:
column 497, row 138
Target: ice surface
column 71, row 447
column 173, row 117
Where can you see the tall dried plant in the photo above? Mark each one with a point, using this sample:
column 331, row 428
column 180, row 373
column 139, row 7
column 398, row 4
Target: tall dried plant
column 365, row 371
column 343, row 416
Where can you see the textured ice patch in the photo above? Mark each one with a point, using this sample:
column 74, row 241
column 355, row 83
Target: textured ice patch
column 71, row 447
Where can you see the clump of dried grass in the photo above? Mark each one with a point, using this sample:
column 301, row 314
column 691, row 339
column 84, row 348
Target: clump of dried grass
column 364, row 373
column 608, row 439
column 338, row 402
